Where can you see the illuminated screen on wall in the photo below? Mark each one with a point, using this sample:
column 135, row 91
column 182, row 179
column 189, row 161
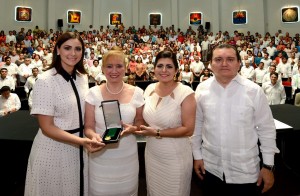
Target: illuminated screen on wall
column 115, row 18
column 239, row 17
column 23, row 14
column 74, row 16
column 290, row 14
column 195, row 18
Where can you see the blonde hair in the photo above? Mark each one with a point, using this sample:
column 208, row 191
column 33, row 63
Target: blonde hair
column 114, row 52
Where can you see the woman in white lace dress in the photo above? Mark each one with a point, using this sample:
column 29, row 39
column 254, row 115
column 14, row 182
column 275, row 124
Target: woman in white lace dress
column 169, row 111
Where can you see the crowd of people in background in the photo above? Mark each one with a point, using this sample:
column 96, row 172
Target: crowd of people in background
column 215, row 128
column 25, row 52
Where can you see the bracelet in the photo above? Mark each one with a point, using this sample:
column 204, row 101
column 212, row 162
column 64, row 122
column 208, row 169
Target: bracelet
column 158, row 134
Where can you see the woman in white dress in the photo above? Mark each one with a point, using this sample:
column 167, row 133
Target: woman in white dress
column 54, row 166
column 169, row 110
column 114, row 170
column 186, row 76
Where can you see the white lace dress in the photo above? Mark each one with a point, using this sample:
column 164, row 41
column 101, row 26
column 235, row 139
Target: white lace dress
column 114, row 170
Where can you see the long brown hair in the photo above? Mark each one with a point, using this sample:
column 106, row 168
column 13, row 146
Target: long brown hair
column 56, row 60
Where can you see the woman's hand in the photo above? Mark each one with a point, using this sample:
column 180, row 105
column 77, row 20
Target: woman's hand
column 146, row 131
column 128, row 129
column 93, row 145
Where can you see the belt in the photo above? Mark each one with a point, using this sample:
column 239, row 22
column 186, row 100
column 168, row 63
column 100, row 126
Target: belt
column 75, row 130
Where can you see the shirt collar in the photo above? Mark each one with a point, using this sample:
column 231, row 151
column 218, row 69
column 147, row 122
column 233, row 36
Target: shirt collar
column 238, row 78
column 67, row 76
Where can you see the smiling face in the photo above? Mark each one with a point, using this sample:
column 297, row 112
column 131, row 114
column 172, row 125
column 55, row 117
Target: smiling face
column 274, row 78
column 165, row 70
column 70, row 53
column 114, row 68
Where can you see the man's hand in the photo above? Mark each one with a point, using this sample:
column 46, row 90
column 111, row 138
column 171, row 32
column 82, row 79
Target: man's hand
column 199, row 168
column 267, row 177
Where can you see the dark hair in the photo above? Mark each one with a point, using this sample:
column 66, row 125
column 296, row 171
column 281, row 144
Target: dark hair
column 95, row 61
column 56, row 60
column 167, row 54
column 3, row 68
column 227, row 46
column 275, row 73
column 4, row 89
column 273, row 66
column 35, row 68
column 8, row 57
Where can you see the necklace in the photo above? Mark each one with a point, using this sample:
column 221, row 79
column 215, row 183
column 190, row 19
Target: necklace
column 113, row 92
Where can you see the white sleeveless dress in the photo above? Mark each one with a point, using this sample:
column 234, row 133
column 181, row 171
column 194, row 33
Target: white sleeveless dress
column 114, row 170
column 169, row 161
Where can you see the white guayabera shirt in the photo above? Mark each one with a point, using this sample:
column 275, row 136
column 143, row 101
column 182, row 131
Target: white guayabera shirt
column 229, row 122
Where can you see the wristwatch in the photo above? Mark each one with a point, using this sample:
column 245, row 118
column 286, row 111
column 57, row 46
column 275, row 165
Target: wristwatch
column 158, row 134
column 269, row 167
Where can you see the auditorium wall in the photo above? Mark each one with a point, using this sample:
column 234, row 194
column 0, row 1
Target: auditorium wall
column 263, row 15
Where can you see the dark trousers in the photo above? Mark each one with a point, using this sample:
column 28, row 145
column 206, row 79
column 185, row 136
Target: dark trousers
column 213, row 185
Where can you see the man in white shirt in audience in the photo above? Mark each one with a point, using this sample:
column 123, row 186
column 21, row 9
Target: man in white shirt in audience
column 9, row 102
column 12, row 68
column 197, row 67
column 274, row 91
column 259, row 74
column 25, row 70
column 266, row 60
column 247, row 71
column 232, row 115
column 271, row 50
column 6, row 80
column 48, row 56
column 31, row 80
column 204, row 49
column 267, row 77
column 285, row 69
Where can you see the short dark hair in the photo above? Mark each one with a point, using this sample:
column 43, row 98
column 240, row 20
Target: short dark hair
column 35, row 68
column 3, row 68
column 275, row 73
column 4, row 89
column 227, row 46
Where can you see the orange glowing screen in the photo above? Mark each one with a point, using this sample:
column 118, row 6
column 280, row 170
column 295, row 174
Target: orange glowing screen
column 74, row 16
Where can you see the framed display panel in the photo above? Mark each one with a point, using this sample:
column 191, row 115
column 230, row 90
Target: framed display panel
column 23, row 14
column 239, row 17
column 74, row 16
column 115, row 18
column 155, row 19
column 290, row 14
column 195, row 18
